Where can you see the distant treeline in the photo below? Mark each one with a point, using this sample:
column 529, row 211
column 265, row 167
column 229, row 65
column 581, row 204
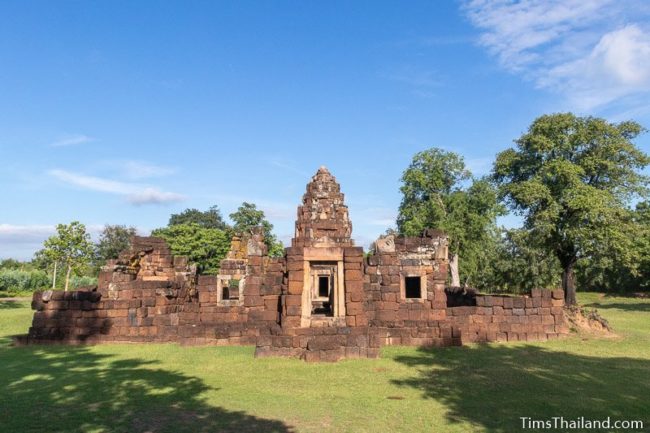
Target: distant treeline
column 577, row 183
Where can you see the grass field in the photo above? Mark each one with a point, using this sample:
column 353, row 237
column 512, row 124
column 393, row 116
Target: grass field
column 168, row 388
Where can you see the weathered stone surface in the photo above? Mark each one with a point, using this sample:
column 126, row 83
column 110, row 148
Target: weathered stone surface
column 323, row 216
column 385, row 244
column 396, row 295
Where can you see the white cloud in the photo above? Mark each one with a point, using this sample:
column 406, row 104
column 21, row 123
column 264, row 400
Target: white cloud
column 618, row 66
column 588, row 51
column 13, row 231
column 21, row 241
column 135, row 169
column 72, row 140
column 37, row 231
column 134, row 193
column 92, row 183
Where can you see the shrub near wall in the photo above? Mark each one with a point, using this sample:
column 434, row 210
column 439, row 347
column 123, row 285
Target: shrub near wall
column 76, row 281
column 14, row 280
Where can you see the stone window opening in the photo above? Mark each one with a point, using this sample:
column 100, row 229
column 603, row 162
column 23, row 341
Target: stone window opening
column 412, row 287
column 230, row 290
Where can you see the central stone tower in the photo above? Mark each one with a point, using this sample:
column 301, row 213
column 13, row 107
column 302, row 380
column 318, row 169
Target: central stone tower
column 323, row 219
column 318, row 272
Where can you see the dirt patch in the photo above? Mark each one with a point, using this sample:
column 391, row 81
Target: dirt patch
column 588, row 321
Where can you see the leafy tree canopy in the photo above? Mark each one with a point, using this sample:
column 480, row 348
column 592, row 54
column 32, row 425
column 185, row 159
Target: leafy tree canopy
column 572, row 178
column 112, row 241
column 209, row 219
column 71, row 247
column 248, row 216
column 205, row 247
column 514, row 262
column 439, row 192
column 607, row 269
column 11, row 264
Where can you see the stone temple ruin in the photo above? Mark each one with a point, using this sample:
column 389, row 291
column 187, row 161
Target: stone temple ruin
column 323, row 301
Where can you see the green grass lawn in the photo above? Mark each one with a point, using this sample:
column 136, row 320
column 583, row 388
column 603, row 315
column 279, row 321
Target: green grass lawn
column 165, row 387
column 16, row 294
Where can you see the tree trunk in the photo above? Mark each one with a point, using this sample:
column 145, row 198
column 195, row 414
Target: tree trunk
column 568, row 283
column 453, row 269
column 67, row 278
column 54, row 277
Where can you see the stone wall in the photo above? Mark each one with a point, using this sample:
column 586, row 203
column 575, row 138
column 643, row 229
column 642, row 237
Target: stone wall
column 321, row 344
column 322, row 301
column 535, row 317
column 539, row 316
column 386, row 273
column 147, row 295
column 134, row 304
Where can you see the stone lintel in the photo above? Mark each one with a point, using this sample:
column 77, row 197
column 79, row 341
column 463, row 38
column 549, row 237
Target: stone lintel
column 327, row 254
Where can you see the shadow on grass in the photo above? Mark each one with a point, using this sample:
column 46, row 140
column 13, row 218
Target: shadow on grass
column 637, row 306
column 642, row 294
column 7, row 305
column 64, row 389
column 492, row 386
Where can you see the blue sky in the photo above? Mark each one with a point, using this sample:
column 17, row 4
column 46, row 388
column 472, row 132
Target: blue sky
column 125, row 112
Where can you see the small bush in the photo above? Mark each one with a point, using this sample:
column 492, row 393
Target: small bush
column 76, row 281
column 14, row 280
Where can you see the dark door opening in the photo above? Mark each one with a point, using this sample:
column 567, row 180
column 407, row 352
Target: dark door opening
column 323, row 287
column 413, row 287
column 322, row 304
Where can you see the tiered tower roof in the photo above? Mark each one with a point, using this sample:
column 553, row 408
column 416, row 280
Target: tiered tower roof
column 323, row 218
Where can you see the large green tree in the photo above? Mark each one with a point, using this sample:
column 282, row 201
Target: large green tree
column 514, row 262
column 205, row 247
column 248, row 216
column 625, row 270
column 209, row 219
column 572, row 179
column 439, row 192
column 112, row 241
column 71, row 247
